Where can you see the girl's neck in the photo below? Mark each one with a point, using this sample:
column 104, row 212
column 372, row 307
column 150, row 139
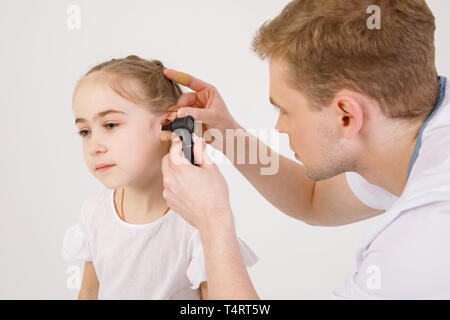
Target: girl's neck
column 142, row 203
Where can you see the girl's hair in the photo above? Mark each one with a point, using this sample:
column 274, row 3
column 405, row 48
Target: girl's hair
column 155, row 91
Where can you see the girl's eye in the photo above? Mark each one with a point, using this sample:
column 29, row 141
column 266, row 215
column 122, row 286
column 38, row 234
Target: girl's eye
column 81, row 133
column 114, row 125
column 107, row 125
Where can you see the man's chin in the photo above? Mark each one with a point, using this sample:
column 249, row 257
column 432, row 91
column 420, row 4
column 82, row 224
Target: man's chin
column 319, row 174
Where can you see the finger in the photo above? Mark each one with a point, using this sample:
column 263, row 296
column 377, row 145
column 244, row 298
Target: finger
column 173, row 108
column 174, row 137
column 176, row 141
column 187, row 99
column 165, row 136
column 198, row 151
column 199, row 114
column 165, row 195
column 165, row 166
column 186, row 80
column 200, row 154
column 176, row 152
column 199, row 128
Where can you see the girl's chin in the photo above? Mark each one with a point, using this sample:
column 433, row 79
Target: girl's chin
column 110, row 182
column 113, row 181
column 110, row 185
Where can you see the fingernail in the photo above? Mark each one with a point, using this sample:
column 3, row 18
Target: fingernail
column 180, row 113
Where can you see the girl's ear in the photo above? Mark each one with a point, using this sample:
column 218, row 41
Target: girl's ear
column 167, row 118
column 170, row 115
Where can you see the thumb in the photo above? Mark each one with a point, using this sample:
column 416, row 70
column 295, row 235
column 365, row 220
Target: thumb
column 199, row 114
column 200, row 154
column 165, row 136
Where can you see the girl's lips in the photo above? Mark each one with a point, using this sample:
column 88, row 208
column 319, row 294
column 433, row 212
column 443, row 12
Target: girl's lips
column 105, row 168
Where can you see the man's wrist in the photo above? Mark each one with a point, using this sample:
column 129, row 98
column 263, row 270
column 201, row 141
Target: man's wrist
column 232, row 127
column 219, row 223
column 230, row 124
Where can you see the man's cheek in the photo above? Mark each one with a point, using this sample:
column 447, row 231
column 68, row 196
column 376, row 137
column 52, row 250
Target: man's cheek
column 294, row 140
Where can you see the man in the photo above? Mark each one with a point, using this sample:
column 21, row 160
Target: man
column 368, row 117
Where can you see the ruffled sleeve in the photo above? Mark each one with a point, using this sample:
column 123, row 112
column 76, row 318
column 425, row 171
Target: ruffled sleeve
column 196, row 271
column 76, row 241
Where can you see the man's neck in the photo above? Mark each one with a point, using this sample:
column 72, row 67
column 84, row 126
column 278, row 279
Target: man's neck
column 387, row 163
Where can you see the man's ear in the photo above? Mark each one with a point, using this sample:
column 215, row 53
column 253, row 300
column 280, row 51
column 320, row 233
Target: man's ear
column 350, row 112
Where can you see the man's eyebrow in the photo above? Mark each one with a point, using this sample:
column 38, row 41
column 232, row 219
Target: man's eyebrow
column 100, row 115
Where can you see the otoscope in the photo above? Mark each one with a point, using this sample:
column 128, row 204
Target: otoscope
column 184, row 127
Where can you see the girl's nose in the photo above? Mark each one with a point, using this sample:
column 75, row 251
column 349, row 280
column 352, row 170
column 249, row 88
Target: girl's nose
column 96, row 146
column 97, row 150
column 100, row 150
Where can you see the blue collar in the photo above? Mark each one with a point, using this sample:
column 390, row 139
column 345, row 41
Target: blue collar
column 442, row 81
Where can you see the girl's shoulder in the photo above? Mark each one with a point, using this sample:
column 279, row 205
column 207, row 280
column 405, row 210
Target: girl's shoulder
column 96, row 203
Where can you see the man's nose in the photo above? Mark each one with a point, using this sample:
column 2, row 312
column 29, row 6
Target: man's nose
column 279, row 127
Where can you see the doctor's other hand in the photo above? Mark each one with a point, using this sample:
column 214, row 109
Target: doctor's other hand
column 206, row 106
column 197, row 193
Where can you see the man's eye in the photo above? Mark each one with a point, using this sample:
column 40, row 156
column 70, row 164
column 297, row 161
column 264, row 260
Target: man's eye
column 279, row 110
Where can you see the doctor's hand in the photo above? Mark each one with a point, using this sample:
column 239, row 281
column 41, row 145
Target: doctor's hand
column 197, row 193
column 206, row 106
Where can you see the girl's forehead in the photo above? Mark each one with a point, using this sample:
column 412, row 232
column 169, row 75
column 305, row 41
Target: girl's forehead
column 96, row 106
column 94, row 96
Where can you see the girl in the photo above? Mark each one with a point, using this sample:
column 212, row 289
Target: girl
column 133, row 245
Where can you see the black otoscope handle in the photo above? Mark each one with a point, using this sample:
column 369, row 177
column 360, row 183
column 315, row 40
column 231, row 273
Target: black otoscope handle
column 184, row 127
column 187, row 143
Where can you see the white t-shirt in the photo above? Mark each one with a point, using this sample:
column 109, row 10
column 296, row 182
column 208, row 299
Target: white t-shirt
column 163, row 259
column 407, row 256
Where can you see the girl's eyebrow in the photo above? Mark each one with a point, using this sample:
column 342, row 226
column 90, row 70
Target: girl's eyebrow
column 100, row 115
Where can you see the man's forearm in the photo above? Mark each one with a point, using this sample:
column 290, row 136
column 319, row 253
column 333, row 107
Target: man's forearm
column 86, row 295
column 289, row 189
column 225, row 268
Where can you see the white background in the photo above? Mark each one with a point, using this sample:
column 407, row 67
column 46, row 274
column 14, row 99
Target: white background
column 43, row 176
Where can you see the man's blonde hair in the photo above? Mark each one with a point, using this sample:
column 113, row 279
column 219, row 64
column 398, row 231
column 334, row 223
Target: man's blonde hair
column 328, row 46
column 154, row 90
